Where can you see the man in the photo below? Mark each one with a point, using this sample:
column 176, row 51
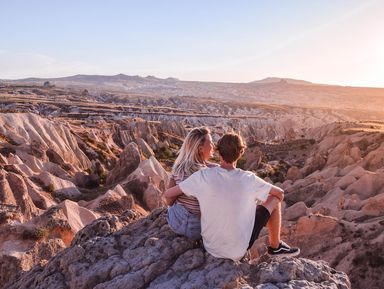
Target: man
column 230, row 219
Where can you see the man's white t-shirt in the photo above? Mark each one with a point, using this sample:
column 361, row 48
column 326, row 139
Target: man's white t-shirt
column 227, row 201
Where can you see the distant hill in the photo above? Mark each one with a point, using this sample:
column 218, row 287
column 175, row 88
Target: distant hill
column 97, row 78
column 271, row 90
column 281, row 80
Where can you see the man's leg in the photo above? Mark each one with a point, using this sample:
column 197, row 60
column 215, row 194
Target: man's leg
column 277, row 247
column 273, row 222
column 273, row 205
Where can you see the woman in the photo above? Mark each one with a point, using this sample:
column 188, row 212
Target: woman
column 184, row 214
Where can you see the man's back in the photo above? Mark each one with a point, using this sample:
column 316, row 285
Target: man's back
column 227, row 201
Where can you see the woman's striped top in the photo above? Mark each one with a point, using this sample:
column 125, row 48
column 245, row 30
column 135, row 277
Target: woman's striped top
column 190, row 203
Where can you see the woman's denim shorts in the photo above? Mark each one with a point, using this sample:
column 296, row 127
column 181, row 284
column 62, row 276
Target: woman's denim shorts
column 183, row 222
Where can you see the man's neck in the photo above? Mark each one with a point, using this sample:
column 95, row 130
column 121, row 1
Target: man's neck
column 228, row 166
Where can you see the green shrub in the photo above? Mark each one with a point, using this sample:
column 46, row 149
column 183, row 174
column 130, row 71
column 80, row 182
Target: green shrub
column 103, row 177
column 50, row 188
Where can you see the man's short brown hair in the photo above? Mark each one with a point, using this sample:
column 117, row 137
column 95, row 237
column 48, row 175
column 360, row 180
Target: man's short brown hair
column 231, row 147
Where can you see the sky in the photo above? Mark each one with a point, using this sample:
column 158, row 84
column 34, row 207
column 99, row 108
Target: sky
column 328, row 41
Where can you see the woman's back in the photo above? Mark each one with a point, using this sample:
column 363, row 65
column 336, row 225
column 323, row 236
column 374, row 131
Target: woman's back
column 190, row 203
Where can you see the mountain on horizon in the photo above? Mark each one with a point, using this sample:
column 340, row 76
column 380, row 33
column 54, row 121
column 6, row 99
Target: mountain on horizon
column 95, row 78
column 124, row 77
column 282, row 80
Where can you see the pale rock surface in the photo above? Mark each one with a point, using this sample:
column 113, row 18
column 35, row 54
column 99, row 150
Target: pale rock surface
column 340, row 156
column 3, row 160
column 375, row 159
column 114, row 201
column 313, row 163
column 152, row 197
column 367, row 186
column 355, row 153
column 147, row 183
column 41, row 199
column 374, row 206
column 345, row 181
column 354, row 171
column 129, row 160
column 61, row 188
column 145, row 149
column 24, row 170
column 78, row 217
column 23, row 200
column 295, row 211
column 35, row 164
column 307, row 225
column 294, row 174
column 24, row 245
column 26, row 128
column 147, row 254
column 56, row 170
column 14, row 160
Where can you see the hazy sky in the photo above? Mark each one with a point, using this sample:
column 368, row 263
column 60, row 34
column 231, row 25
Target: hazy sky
column 327, row 41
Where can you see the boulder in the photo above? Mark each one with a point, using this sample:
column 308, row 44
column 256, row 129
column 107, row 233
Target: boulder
column 54, row 157
column 60, row 188
column 114, row 201
column 21, row 196
column 152, row 197
column 295, row 211
column 294, row 174
column 345, row 181
column 144, row 148
column 367, row 186
column 129, row 160
column 316, row 224
column 76, row 215
column 374, row 206
column 375, row 159
column 84, row 180
column 354, row 171
column 147, row 184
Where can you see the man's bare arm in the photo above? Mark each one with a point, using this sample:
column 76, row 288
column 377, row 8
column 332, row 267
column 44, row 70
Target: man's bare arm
column 277, row 192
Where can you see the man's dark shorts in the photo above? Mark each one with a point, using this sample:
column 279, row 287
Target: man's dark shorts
column 262, row 216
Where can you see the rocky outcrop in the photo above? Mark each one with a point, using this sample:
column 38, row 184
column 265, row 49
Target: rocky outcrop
column 37, row 134
column 129, row 160
column 147, row 184
column 147, row 254
column 15, row 192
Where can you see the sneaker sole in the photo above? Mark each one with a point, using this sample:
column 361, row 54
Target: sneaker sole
column 284, row 255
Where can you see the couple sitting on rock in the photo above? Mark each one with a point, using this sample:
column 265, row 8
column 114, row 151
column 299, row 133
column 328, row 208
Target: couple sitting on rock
column 218, row 203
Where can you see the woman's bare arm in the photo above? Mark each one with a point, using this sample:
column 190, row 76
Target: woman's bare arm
column 169, row 200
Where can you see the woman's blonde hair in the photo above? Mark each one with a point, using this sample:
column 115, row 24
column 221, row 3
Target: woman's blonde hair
column 189, row 159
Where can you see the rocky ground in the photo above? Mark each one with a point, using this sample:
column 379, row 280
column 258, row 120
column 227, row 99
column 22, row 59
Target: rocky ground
column 118, row 252
column 73, row 183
